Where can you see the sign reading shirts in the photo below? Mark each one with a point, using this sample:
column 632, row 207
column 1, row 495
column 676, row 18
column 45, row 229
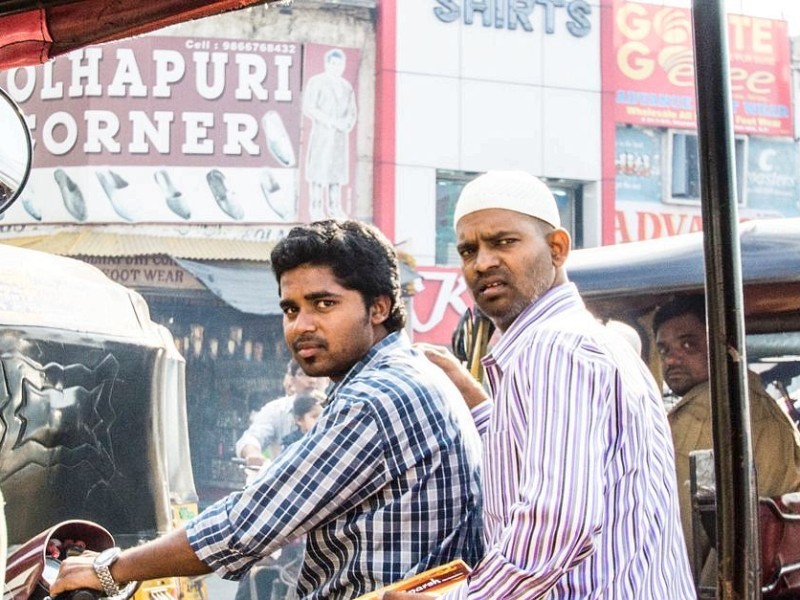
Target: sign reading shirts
column 161, row 129
column 653, row 69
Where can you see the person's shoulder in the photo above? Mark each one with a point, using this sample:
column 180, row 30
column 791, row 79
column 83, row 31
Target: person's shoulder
column 766, row 411
column 400, row 372
column 278, row 404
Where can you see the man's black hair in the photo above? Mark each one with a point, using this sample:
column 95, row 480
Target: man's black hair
column 359, row 255
column 303, row 403
column 693, row 304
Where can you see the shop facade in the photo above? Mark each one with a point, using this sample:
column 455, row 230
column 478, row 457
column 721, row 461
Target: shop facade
column 173, row 162
column 596, row 97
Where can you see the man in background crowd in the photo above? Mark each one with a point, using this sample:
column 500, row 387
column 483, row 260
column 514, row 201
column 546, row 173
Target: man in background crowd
column 680, row 330
column 276, row 419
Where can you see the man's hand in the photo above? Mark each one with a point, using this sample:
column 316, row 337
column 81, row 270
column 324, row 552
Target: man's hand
column 470, row 389
column 252, row 455
column 76, row 572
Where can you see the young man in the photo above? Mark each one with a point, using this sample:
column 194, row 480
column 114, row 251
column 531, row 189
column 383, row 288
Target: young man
column 680, row 330
column 579, row 485
column 384, row 485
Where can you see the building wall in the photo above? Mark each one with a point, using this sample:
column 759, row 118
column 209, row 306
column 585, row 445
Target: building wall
column 473, row 96
column 310, row 21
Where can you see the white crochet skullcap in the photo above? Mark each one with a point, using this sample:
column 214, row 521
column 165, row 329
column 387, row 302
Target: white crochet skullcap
column 510, row 190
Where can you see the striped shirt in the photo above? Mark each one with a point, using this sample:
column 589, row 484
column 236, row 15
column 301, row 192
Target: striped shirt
column 386, row 484
column 580, row 497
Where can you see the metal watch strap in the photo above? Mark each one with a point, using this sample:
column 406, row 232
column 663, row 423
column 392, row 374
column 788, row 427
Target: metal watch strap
column 110, row 587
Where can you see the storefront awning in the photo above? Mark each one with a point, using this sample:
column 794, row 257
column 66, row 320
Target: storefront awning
column 97, row 243
column 251, row 287
column 236, row 271
column 247, row 287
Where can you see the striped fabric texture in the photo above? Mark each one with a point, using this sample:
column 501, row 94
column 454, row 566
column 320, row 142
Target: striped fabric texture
column 580, row 496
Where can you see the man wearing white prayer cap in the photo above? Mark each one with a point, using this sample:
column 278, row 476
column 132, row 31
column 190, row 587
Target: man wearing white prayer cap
column 580, row 497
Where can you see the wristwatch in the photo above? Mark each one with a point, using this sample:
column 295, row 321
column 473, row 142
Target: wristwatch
column 102, row 564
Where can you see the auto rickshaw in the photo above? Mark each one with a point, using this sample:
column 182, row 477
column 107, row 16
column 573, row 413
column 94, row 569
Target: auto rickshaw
column 92, row 398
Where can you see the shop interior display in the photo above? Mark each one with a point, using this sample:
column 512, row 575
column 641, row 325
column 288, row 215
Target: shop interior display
column 234, row 364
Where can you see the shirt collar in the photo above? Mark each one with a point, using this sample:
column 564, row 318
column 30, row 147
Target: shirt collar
column 394, row 340
column 554, row 300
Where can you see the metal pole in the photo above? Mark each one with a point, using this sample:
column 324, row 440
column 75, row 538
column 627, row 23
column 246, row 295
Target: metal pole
column 737, row 517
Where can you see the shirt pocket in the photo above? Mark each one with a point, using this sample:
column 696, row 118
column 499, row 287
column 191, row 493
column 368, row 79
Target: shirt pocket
column 501, row 476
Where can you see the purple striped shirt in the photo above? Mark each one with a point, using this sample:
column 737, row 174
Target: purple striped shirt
column 580, row 496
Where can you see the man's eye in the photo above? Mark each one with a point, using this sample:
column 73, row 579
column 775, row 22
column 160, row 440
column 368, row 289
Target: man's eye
column 465, row 252
column 289, row 310
column 325, row 303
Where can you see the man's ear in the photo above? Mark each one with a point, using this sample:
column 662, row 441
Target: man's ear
column 379, row 311
column 560, row 243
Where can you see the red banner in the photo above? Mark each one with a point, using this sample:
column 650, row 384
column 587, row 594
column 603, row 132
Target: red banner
column 652, row 77
column 440, row 304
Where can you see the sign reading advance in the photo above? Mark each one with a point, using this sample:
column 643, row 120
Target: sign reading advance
column 509, row 14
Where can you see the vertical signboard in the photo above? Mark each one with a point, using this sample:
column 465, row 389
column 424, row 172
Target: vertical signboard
column 650, row 143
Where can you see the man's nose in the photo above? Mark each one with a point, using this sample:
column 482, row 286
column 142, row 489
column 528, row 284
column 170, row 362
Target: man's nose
column 304, row 321
column 485, row 258
column 670, row 357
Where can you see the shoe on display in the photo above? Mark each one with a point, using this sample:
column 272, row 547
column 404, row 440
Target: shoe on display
column 278, row 141
column 283, row 205
column 31, row 208
column 173, row 196
column 71, row 195
column 224, row 197
column 119, row 194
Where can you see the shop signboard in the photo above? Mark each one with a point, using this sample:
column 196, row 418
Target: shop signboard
column 168, row 130
column 772, row 176
column 650, row 69
column 438, row 306
column 638, row 164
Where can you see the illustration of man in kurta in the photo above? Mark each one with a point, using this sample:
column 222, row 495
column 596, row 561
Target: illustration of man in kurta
column 329, row 101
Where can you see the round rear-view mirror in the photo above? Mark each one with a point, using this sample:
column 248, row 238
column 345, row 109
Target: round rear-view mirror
column 16, row 151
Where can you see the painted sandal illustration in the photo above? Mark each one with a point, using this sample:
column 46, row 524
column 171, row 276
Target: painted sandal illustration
column 281, row 204
column 224, row 196
column 278, row 141
column 173, row 196
column 31, row 208
column 71, row 195
column 119, row 194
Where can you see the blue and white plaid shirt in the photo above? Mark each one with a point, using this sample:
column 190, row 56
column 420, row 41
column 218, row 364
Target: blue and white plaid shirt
column 385, row 485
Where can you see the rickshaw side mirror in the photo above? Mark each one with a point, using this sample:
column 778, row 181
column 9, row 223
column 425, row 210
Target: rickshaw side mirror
column 16, row 151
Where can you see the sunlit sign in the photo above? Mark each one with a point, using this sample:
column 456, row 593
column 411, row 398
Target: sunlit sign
column 545, row 15
column 653, row 69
